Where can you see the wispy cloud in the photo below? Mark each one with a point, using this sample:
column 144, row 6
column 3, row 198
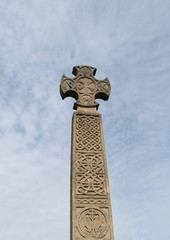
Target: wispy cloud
column 128, row 41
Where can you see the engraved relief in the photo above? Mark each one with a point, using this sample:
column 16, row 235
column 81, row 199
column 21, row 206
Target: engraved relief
column 90, row 162
column 85, row 71
column 86, row 99
column 92, row 201
column 90, row 175
column 88, row 136
column 93, row 222
column 84, row 87
column 68, row 84
column 103, row 86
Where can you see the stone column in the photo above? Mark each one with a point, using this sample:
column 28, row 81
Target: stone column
column 91, row 216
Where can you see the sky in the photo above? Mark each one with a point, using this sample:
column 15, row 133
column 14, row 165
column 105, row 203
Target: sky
column 128, row 41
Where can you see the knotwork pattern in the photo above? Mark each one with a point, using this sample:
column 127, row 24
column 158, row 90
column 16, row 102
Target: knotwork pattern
column 92, row 201
column 88, row 134
column 90, row 175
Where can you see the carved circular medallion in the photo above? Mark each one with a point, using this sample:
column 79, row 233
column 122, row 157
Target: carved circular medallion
column 86, row 99
column 86, row 86
column 85, row 71
column 93, row 223
column 67, row 85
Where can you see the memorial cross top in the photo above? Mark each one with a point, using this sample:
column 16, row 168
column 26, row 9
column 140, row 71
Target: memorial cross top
column 85, row 88
column 90, row 212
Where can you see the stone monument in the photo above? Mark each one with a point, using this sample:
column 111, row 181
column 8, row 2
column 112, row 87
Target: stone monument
column 91, row 216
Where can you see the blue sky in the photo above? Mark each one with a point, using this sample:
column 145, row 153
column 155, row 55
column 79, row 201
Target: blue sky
column 128, row 41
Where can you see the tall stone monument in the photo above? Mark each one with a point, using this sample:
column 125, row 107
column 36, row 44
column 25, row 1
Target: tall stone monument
column 91, row 216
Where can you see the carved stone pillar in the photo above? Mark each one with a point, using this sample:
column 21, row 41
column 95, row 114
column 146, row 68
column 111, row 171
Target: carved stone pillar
column 91, row 216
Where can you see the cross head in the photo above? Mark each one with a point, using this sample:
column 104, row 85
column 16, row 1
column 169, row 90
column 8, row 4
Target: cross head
column 84, row 87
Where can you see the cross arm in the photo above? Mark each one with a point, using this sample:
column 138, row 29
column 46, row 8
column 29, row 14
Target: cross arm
column 84, row 87
column 103, row 89
column 67, row 88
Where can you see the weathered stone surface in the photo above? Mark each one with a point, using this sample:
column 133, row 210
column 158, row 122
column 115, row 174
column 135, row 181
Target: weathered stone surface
column 91, row 216
column 85, row 88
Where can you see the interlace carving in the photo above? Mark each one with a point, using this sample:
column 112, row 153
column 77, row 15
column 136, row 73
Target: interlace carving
column 93, row 223
column 91, row 201
column 88, row 134
column 90, row 175
column 85, row 88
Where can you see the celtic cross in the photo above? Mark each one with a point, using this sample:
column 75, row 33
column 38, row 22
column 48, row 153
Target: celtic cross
column 85, row 88
column 91, row 216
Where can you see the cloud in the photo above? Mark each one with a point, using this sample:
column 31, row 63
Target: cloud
column 128, row 41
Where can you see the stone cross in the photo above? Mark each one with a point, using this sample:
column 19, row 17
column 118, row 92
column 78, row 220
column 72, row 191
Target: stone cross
column 90, row 215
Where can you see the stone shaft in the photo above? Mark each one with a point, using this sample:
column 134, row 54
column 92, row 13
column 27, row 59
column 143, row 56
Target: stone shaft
column 91, row 216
